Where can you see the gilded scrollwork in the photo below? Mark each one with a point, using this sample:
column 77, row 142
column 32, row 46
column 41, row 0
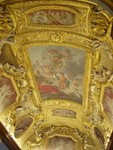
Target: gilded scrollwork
column 64, row 131
column 7, row 25
column 98, row 22
column 19, row 75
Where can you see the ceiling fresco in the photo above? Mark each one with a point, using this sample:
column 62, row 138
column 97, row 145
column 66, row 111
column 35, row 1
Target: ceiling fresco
column 59, row 72
column 60, row 143
column 52, row 17
column 56, row 74
column 107, row 102
column 7, row 93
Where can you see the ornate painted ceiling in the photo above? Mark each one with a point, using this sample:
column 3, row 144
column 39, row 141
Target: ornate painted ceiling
column 56, row 73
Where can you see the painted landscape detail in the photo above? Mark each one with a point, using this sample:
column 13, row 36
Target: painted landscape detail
column 60, row 143
column 108, row 102
column 59, row 72
column 52, row 17
column 64, row 113
column 7, row 93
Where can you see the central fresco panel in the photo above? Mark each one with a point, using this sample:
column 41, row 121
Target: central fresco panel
column 59, row 72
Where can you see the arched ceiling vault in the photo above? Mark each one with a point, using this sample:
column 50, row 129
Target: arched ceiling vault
column 56, row 73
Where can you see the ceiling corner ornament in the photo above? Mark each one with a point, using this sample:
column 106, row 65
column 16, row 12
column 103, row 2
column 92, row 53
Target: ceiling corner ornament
column 56, row 74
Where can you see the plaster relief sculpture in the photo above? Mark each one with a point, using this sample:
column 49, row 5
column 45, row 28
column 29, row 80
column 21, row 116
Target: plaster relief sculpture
column 99, row 23
column 6, row 22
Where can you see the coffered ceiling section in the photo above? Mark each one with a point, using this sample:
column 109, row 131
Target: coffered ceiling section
column 56, row 74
